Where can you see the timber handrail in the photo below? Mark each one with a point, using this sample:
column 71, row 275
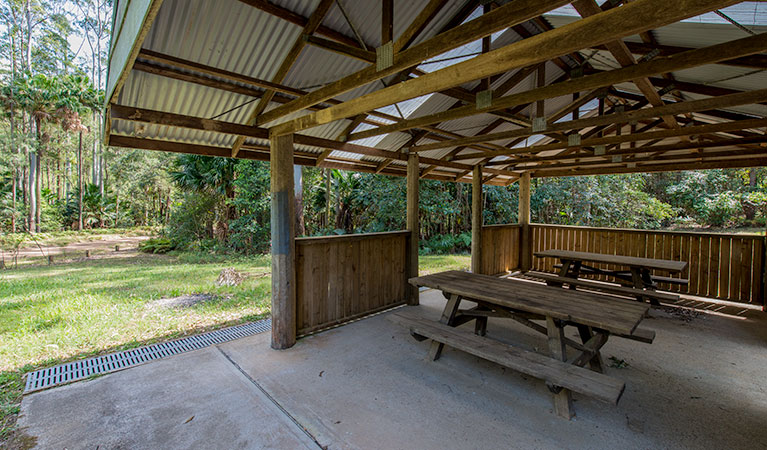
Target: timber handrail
column 349, row 237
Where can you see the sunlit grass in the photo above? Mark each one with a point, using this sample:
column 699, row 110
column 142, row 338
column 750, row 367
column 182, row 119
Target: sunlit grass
column 55, row 312
column 52, row 314
column 440, row 263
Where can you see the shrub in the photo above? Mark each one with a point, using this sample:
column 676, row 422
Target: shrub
column 157, row 245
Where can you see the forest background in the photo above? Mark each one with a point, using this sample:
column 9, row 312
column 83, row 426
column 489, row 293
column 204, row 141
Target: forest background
column 55, row 173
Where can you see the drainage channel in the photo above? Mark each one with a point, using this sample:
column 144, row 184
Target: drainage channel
column 80, row 370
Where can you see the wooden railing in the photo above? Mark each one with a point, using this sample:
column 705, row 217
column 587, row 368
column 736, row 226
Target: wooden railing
column 500, row 248
column 340, row 278
column 723, row 266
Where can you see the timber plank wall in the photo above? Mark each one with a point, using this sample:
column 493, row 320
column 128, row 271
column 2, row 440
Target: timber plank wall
column 500, row 248
column 340, row 278
column 723, row 266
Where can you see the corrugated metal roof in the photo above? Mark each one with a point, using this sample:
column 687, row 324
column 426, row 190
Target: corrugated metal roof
column 233, row 36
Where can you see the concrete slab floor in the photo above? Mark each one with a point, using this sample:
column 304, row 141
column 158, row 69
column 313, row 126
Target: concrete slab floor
column 367, row 385
column 193, row 400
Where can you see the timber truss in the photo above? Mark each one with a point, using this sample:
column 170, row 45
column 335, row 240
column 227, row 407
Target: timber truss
column 663, row 125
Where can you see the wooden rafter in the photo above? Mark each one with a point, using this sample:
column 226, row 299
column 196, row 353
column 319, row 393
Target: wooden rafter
column 499, row 19
column 120, row 112
column 588, row 8
column 693, row 58
column 295, row 51
column 623, row 138
column 725, row 101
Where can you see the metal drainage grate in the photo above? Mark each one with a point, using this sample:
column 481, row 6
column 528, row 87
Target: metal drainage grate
column 79, row 370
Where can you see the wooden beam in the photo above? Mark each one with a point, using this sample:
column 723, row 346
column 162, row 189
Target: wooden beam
column 301, row 21
column 651, row 157
column 476, row 220
column 120, row 112
column 514, row 12
column 726, row 101
column 418, row 24
column 295, row 51
column 521, row 164
column 342, row 49
column 387, row 21
column 618, row 49
column 619, row 139
column 161, row 58
column 693, row 58
column 413, row 224
column 692, row 165
column 283, row 244
column 641, row 48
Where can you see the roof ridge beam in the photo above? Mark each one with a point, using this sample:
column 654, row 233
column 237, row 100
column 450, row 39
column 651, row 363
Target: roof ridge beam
column 499, row 19
column 692, row 58
column 619, row 139
column 635, row 17
column 726, row 101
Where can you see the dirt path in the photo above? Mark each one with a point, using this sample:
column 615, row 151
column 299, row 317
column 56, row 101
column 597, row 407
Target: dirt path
column 103, row 247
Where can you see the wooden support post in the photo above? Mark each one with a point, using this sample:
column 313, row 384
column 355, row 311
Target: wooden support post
column 563, row 401
column 764, row 269
column 525, row 244
column 413, row 223
column 476, row 220
column 283, row 243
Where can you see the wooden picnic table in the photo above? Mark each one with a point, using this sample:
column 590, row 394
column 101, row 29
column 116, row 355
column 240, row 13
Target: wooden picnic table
column 595, row 317
column 639, row 272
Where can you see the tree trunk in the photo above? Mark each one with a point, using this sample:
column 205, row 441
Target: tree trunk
column 31, row 192
column 38, row 187
column 13, row 202
column 298, row 187
column 80, row 182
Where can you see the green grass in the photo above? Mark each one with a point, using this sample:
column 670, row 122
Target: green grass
column 440, row 263
column 53, row 314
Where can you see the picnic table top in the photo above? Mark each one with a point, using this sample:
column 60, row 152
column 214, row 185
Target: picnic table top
column 614, row 315
column 630, row 261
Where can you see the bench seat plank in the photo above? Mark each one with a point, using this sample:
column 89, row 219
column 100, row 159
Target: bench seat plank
column 620, row 260
column 568, row 376
column 604, row 287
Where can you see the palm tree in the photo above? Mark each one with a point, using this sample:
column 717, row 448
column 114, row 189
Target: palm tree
column 48, row 100
column 211, row 175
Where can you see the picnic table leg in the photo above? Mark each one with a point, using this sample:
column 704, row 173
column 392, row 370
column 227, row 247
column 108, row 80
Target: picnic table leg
column 563, row 401
column 480, row 324
column 575, row 271
column 596, row 363
column 562, row 272
column 636, row 278
column 649, row 285
column 448, row 316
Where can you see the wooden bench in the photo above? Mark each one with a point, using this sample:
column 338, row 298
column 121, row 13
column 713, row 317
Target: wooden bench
column 610, row 288
column 655, row 278
column 558, row 373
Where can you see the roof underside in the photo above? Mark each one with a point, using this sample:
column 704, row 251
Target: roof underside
column 199, row 59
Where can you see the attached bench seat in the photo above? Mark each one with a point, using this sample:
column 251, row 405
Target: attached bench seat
column 655, row 278
column 568, row 376
column 620, row 290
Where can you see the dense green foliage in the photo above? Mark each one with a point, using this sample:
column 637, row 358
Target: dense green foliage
column 56, row 173
column 225, row 204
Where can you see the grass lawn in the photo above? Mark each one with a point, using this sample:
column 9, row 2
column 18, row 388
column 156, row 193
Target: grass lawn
column 52, row 314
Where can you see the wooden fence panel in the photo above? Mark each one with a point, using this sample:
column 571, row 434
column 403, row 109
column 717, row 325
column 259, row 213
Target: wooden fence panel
column 725, row 266
column 500, row 248
column 340, row 278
